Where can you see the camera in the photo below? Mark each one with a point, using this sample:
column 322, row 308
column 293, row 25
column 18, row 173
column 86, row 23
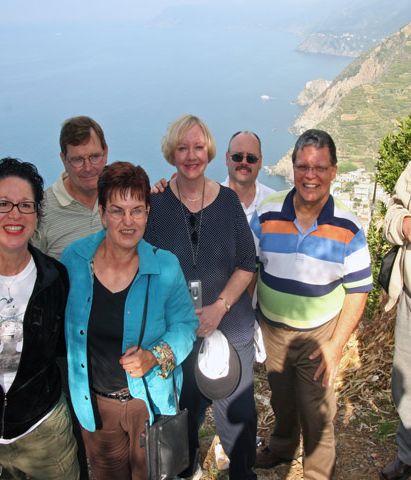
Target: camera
column 196, row 292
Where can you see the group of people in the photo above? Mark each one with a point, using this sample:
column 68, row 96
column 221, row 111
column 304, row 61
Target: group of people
column 105, row 263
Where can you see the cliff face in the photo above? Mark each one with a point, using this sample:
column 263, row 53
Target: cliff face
column 312, row 90
column 363, row 103
column 367, row 69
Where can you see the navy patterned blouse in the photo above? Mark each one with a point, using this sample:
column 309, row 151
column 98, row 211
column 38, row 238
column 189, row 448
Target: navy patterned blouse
column 210, row 247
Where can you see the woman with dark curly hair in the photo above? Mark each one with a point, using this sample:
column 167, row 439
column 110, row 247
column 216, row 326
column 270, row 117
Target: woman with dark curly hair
column 36, row 436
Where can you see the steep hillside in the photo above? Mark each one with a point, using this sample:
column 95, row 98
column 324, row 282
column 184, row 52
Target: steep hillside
column 364, row 102
column 356, row 26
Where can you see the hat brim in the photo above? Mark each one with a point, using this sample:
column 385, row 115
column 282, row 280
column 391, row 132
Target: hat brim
column 215, row 389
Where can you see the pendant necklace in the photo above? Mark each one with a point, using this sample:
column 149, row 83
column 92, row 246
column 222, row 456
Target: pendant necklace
column 194, row 252
column 8, row 286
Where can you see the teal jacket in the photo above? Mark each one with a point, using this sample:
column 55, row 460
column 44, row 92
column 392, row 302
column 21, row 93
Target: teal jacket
column 170, row 318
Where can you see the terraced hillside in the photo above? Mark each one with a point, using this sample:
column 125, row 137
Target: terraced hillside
column 364, row 102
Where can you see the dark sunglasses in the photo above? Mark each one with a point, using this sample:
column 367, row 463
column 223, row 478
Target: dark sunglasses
column 238, row 157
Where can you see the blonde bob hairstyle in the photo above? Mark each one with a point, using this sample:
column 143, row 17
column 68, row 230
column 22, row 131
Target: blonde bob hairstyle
column 176, row 132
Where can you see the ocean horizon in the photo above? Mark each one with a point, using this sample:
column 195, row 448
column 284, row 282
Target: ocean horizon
column 135, row 80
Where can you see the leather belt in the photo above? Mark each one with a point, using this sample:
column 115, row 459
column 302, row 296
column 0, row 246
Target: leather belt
column 122, row 395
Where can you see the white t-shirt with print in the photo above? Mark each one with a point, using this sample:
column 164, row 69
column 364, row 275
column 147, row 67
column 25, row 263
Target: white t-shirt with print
column 15, row 292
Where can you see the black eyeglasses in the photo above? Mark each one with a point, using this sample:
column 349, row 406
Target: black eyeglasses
column 238, row 157
column 194, row 234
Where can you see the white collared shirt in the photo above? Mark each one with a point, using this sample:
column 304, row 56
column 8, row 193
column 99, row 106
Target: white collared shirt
column 261, row 191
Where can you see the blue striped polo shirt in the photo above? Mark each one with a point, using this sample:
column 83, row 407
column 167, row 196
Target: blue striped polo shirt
column 303, row 277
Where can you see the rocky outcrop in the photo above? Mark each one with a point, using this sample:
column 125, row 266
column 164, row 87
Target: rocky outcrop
column 365, row 70
column 312, row 90
column 362, row 105
column 284, row 167
column 326, row 103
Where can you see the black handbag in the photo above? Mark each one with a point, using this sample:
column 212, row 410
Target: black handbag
column 166, row 444
column 387, row 263
column 166, row 440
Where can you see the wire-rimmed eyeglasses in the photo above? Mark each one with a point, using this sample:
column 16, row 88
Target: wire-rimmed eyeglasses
column 119, row 213
column 318, row 170
column 77, row 162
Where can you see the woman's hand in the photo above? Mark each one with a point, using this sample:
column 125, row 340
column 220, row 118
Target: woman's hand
column 137, row 362
column 210, row 317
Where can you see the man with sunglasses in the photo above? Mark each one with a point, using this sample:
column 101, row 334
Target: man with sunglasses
column 244, row 160
column 71, row 209
column 313, row 281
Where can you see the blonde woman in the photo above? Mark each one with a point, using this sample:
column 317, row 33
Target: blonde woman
column 204, row 225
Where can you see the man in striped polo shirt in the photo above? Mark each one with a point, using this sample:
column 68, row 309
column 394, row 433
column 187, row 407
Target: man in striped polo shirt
column 313, row 281
column 70, row 205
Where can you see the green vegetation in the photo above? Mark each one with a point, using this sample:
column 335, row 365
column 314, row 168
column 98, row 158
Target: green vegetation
column 394, row 155
column 345, row 167
column 348, row 187
column 386, row 428
column 367, row 112
column 378, row 247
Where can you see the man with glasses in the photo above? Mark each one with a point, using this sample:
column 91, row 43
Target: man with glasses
column 313, row 281
column 244, row 159
column 70, row 209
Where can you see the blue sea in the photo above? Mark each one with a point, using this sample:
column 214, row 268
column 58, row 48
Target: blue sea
column 134, row 80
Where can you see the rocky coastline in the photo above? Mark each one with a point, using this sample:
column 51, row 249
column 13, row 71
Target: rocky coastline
column 326, row 106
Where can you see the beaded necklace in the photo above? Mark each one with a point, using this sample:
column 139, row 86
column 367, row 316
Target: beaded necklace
column 194, row 251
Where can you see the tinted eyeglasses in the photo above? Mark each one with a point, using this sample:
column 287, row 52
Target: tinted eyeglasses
column 238, row 157
column 119, row 213
column 318, row 170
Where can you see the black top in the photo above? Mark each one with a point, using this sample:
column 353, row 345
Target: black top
column 105, row 338
column 225, row 243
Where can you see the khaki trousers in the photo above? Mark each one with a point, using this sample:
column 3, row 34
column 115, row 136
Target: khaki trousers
column 49, row 452
column 299, row 403
column 401, row 377
column 114, row 450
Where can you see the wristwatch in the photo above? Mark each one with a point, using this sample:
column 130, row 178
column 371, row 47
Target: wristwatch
column 226, row 304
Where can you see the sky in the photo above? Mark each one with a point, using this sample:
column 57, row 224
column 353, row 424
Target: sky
column 45, row 12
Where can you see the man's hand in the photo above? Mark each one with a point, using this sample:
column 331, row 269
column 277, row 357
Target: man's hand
column 330, row 359
column 160, row 186
column 137, row 362
column 406, row 228
column 331, row 350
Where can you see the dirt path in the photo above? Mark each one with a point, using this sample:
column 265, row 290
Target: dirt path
column 365, row 441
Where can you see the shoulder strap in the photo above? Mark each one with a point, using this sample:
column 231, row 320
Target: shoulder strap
column 144, row 319
column 143, row 326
